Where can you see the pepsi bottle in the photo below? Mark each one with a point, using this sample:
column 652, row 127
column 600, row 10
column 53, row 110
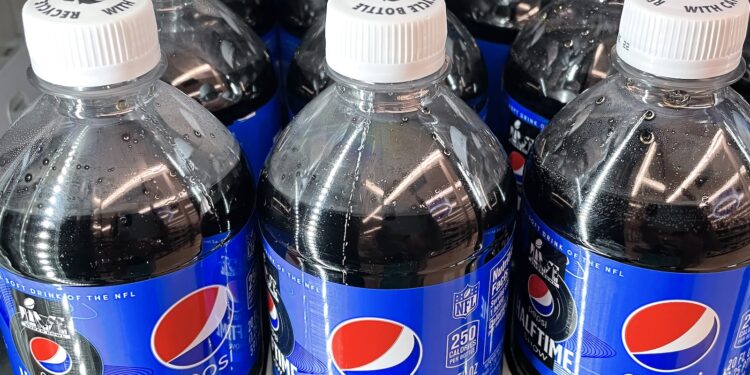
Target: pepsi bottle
column 387, row 210
column 467, row 78
column 743, row 85
column 260, row 15
column 557, row 56
column 633, row 249
column 297, row 16
column 217, row 60
column 124, row 210
column 494, row 24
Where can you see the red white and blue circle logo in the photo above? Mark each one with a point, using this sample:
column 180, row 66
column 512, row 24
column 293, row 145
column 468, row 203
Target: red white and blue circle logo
column 51, row 356
column 670, row 336
column 192, row 330
column 540, row 296
column 517, row 161
column 375, row 346
column 273, row 314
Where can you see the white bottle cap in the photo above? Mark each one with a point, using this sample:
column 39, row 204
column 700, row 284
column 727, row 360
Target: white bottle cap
column 683, row 39
column 380, row 41
column 91, row 43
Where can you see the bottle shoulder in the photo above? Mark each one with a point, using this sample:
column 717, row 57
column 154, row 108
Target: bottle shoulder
column 566, row 48
column 100, row 195
column 657, row 186
column 416, row 188
column 214, row 57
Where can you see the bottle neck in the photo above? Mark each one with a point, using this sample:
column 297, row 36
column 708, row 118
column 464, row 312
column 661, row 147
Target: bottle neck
column 390, row 97
column 105, row 101
column 675, row 93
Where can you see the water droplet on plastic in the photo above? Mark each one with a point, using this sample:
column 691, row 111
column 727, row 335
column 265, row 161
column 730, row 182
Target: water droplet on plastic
column 568, row 43
column 99, row 180
column 146, row 192
column 126, row 137
column 649, row 115
column 197, row 134
column 404, row 120
column 110, row 170
column 425, row 110
column 172, row 173
column 28, row 177
column 86, row 167
column 601, row 100
column 647, row 137
column 79, row 166
column 447, row 152
column 45, row 161
column 212, row 135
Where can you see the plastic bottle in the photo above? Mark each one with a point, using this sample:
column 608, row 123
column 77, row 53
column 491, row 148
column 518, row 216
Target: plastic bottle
column 633, row 248
column 297, row 16
column 388, row 209
column 555, row 57
column 495, row 24
column 261, row 16
column 467, row 79
column 124, row 210
column 216, row 59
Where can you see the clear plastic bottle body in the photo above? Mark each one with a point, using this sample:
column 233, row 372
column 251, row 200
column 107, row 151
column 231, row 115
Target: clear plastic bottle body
column 116, row 187
column 494, row 24
column 556, row 56
column 216, row 59
column 743, row 85
column 649, row 173
column 467, row 78
column 297, row 16
column 261, row 16
column 380, row 189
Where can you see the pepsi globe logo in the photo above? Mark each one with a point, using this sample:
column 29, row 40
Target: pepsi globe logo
column 194, row 328
column 517, row 161
column 374, row 346
column 540, row 296
column 50, row 356
column 273, row 313
column 670, row 336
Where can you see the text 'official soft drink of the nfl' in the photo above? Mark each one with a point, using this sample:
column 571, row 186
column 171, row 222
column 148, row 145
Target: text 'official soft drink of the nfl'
column 124, row 210
column 216, row 59
column 633, row 247
column 307, row 75
column 495, row 24
column 387, row 210
column 556, row 56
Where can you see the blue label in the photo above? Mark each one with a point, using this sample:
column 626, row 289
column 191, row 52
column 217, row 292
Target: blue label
column 525, row 126
column 321, row 327
column 495, row 55
column 578, row 312
column 257, row 131
column 203, row 319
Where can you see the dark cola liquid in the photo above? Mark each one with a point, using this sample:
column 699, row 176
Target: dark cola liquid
column 119, row 247
column 396, row 256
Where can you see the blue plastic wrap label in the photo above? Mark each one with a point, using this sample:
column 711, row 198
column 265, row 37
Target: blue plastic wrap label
column 257, row 131
column 525, row 126
column 321, row 327
column 495, row 56
column 201, row 320
column 578, row 312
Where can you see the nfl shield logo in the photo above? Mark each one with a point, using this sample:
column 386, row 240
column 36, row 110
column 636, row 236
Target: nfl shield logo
column 465, row 301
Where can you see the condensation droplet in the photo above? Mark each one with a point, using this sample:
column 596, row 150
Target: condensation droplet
column 126, row 137
column 45, row 161
column 649, row 115
column 568, row 43
column 197, row 133
column 601, row 100
column 28, row 177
